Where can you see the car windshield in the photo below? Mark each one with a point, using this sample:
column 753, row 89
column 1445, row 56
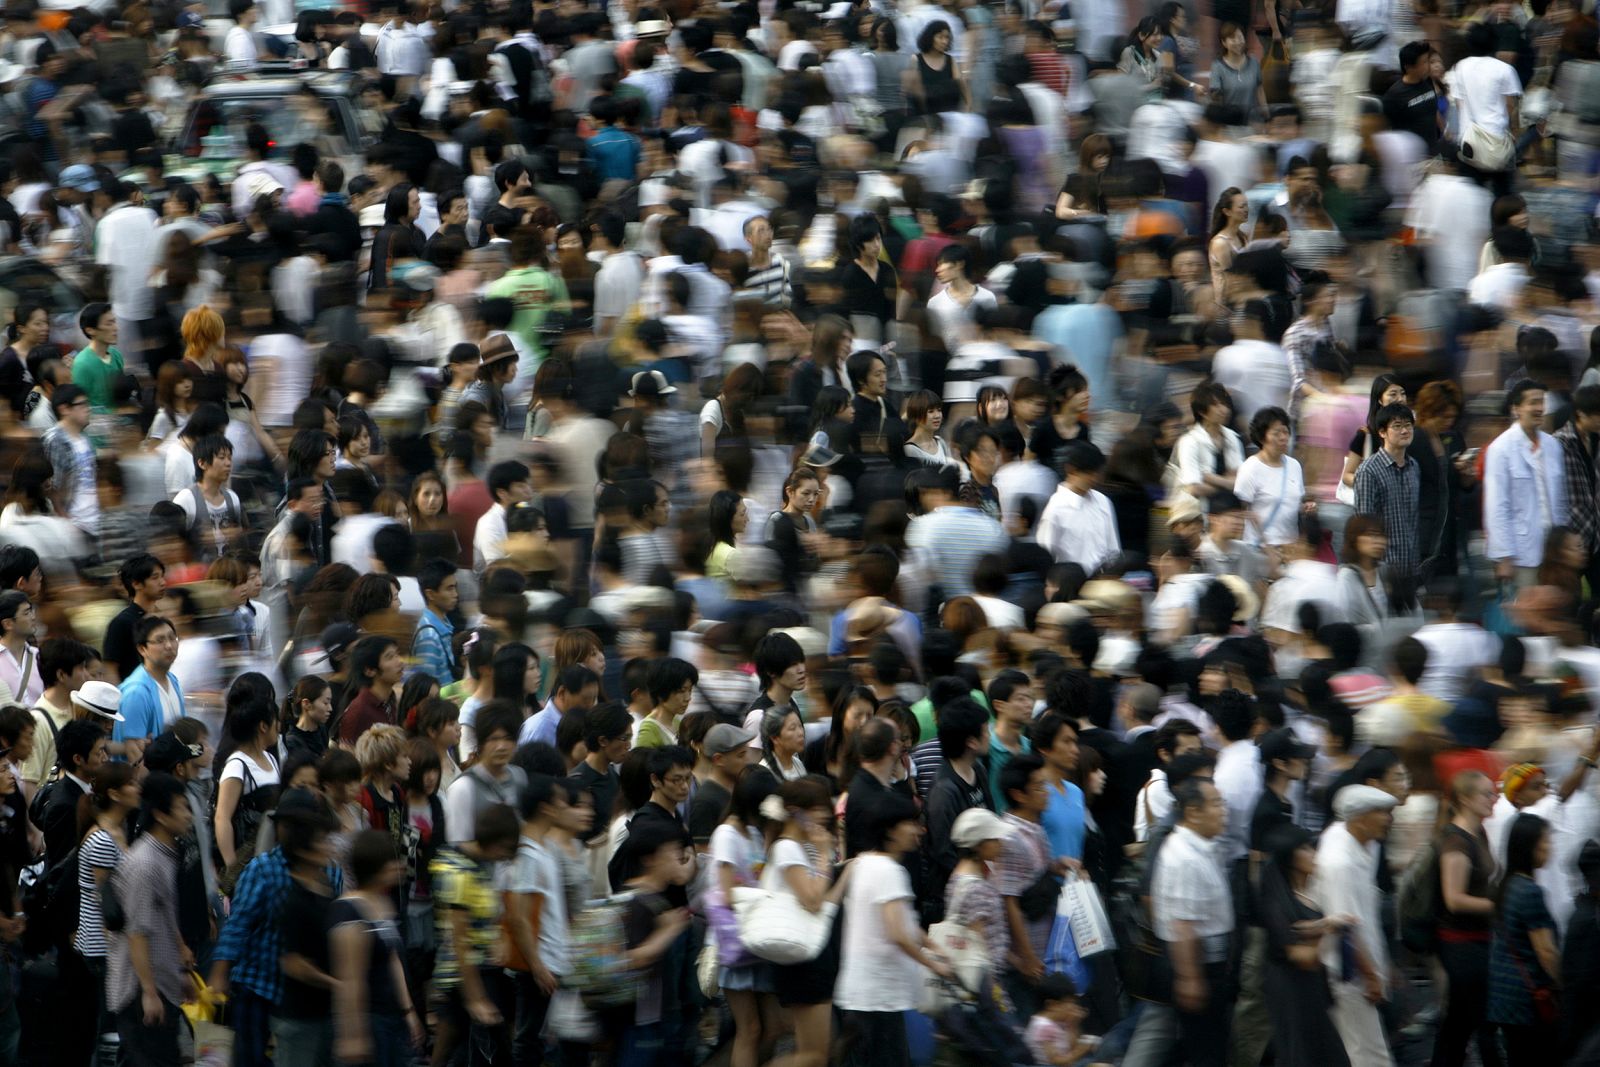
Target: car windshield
column 290, row 119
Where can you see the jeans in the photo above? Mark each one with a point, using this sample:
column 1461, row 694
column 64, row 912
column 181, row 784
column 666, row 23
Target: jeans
column 1466, row 1008
column 391, row 1042
column 641, row 1046
column 252, row 1022
column 149, row 1046
column 302, row 1042
column 527, row 1044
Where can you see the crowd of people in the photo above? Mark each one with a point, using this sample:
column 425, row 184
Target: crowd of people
column 1008, row 533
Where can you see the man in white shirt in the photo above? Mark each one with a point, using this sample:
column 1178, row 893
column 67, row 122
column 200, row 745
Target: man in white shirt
column 621, row 276
column 1485, row 93
column 1346, row 890
column 240, row 48
column 1192, row 906
column 510, row 483
column 1078, row 525
column 1227, row 163
column 1240, row 776
column 125, row 242
column 1174, row 738
column 1524, row 488
column 954, row 306
column 1501, row 285
column 1253, row 370
column 1450, row 216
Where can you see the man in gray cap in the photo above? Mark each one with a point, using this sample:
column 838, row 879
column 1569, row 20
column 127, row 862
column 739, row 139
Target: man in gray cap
column 728, row 749
column 1346, row 884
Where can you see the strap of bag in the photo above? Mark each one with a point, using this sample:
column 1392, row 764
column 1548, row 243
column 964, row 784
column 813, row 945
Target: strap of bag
column 1283, row 484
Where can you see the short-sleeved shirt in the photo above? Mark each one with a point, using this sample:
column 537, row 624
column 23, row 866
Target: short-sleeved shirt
column 463, row 884
column 875, row 974
column 304, row 932
column 99, row 852
column 537, row 871
column 1024, row 858
column 740, row 849
column 1514, row 969
column 975, row 903
column 1481, row 874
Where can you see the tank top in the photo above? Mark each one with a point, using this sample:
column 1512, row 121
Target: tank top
column 939, row 89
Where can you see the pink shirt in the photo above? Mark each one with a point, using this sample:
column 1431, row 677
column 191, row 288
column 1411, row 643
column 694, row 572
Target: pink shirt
column 304, row 199
column 1327, row 425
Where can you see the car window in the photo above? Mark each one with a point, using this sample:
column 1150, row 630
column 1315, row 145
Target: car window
column 289, row 119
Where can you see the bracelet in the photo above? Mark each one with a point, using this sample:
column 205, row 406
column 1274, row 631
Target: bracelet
column 1588, row 761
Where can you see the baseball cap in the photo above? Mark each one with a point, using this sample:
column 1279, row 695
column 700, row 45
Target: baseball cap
column 975, row 826
column 724, row 738
column 190, row 20
column 1186, row 510
column 100, row 698
column 1284, row 744
column 79, row 176
column 167, row 752
column 651, row 383
column 337, row 639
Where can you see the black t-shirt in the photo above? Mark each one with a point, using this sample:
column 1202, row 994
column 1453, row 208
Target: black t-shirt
column 119, row 648
column 1414, row 108
column 602, row 789
column 710, row 804
column 381, row 993
column 305, row 933
column 1271, row 811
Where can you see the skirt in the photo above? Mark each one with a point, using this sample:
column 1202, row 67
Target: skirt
column 811, row 982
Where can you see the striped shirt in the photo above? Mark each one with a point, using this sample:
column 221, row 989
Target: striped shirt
column 147, row 885
column 770, row 285
column 99, row 852
column 953, row 539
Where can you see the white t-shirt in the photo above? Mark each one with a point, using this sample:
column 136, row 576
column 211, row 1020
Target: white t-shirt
column 1273, row 495
column 741, row 850
column 538, row 870
column 875, row 974
column 257, row 776
column 1478, row 88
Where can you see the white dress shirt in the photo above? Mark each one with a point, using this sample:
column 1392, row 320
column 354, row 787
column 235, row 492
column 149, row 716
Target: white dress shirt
column 1191, row 885
column 1079, row 528
column 1346, row 883
column 1239, row 779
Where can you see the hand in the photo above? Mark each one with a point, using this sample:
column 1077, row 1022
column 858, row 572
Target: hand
column 219, row 978
column 1190, row 993
column 1504, row 569
column 483, row 1012
column 1343, row 921
column 419, row 1035
column 676, row 920
column 11, row 928
column 353, row 1049
column 154, row 1010
column 186, row 957
column 1372, row 989
column 941, row 967
column 544, row 979
column 1029, row 965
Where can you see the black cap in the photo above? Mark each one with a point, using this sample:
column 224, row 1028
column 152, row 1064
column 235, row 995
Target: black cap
column 167, row 752
column 337, row 639
column 1284, row 744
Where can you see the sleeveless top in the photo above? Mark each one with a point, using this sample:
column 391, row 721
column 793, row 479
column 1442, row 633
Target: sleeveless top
column 939, row 89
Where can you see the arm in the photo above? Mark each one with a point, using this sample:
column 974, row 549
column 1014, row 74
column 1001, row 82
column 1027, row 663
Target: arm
column 1352, row 463
column 222, row 824
column 303, row 970
column 1027, row 964
column 479, row 1006
column 1454, row 871
column 1513, row 116
column 669, row 925
column 150, row 996
column 1549, row 953
column 524, row 909
column 913, row 944
column 1189, row 978
column 708, row 439
column 350, row 954
column 1496, row 513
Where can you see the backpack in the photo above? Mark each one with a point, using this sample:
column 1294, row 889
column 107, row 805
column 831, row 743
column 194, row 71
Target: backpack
column 50, row 901
column 1419, row 901
column 199, row 532
column 600, row 971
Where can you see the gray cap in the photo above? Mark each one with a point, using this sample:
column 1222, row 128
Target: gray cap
column 723, row 738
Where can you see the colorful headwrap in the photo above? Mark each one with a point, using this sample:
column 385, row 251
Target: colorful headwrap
column 1516, row 777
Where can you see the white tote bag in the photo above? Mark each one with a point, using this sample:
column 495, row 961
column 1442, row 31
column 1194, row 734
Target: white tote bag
column 1080, row 905
column 774, row 926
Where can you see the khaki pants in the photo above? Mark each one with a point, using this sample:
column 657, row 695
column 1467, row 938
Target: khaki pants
column 1360, row 1027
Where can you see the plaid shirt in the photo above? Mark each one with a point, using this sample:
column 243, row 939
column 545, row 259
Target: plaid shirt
column 1024, row 857
column 250, row 938
column 1388, row 490
column 1582, row 467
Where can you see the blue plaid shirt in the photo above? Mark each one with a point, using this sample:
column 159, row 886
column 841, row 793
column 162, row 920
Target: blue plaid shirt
column 431, row 647
column 250, row 938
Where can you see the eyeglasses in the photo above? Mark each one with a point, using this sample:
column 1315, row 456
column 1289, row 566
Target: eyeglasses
column 677, row 779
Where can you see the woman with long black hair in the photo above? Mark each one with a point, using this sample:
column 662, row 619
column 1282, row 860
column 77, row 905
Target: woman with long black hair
column 1525, row 955
column 399, row 238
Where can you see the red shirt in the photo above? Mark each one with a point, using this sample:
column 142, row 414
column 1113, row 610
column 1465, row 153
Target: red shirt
column 364, row 712
column 1049, row 70
column 468, row 502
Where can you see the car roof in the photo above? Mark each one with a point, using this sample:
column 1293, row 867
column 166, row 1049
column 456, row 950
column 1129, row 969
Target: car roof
column 321, row 82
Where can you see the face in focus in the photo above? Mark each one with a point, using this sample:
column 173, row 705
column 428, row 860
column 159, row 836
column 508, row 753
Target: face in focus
column 675, row 786
column 1530, row 412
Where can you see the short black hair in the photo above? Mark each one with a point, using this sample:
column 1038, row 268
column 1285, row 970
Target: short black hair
column 505, row 474
column 63, row 655
column 1015, row 774
column 370, row 852
column 663, row 759
column 1392, row 413
column 575, row 679
column 960, row 722
column 146, row 627
column 496, row 825
column 75, row 741
column 138, row 569
column 159, row 792
column 606, row 722
column 17, row 564
column 774, row 654
column 501, row 715
column 433, row 572
column 668, row 675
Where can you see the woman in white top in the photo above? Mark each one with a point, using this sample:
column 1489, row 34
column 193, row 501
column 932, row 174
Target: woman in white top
column 880, row 964
column 249, row 784
column 802, row 859
column 1271, row 482
column 1209, row 455
column 924, row 414
column 738, row 852
column 783, row 737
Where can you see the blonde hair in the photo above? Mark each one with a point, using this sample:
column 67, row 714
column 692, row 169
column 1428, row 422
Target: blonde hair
column 379, row 748
column 202, row 331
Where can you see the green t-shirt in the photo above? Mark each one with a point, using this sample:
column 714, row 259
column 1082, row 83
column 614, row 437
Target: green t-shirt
column 96, row 376
column 536, row 292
